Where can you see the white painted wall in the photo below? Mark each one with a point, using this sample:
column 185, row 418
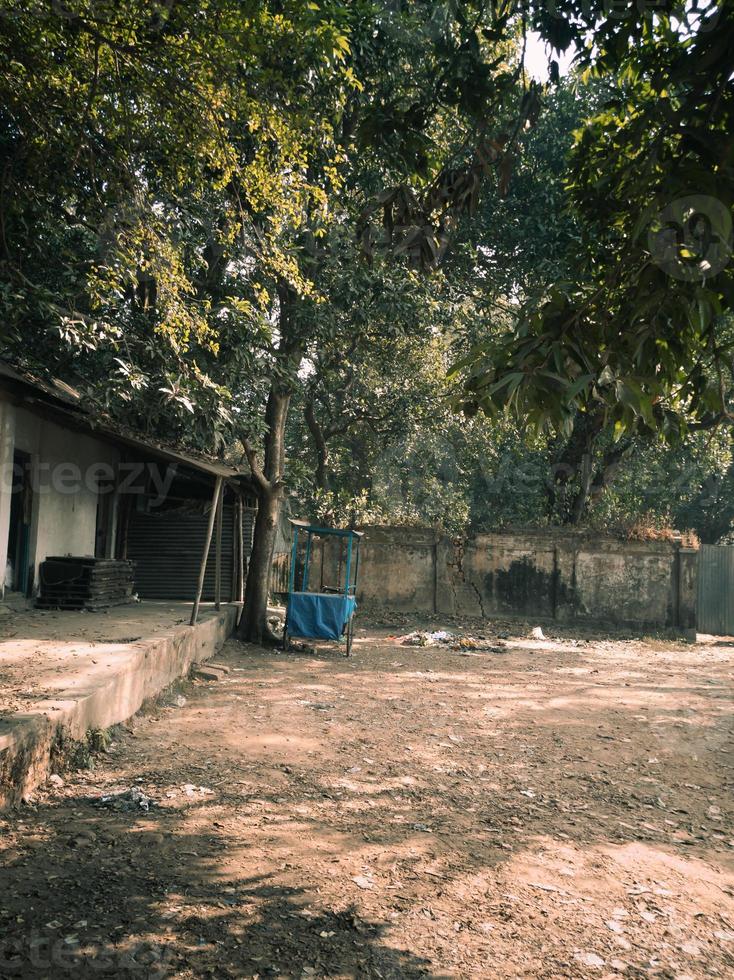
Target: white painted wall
column 65, row 467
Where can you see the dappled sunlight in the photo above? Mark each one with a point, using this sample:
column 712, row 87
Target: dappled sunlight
column 415, row 813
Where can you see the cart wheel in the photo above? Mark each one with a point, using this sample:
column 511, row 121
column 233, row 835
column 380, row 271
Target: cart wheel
column 350, row 634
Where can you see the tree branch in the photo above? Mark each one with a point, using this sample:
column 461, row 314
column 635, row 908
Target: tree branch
column 255, row 468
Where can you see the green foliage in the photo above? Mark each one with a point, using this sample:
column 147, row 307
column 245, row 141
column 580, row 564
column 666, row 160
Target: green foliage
column 181, row 186
column 636, row 330
column 426, row 465
column 211, row 210
column 142, row 149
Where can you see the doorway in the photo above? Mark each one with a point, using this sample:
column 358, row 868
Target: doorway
column 19, row 571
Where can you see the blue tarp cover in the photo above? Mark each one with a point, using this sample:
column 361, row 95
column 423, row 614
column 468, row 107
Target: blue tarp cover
column 319, row 615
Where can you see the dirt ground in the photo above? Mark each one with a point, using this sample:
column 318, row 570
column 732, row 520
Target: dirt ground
column 557, row 808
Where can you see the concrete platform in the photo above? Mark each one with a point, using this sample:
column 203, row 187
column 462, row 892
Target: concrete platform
column 64, row 673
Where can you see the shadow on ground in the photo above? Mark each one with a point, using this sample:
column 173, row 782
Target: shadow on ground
column 406, row 813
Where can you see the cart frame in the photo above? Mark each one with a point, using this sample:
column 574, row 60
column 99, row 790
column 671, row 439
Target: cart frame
column 347, row 592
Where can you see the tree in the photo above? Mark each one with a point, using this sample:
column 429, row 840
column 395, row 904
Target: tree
column 635, row 338
column 121, row 129
column 361, row 408
column 414, row 68
column 421, row 464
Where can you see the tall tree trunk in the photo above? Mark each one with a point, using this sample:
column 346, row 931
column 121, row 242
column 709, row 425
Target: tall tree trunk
column 577, row 464
column 585, row 476
column 269, row 477
column 271, row 490
column 573, row 470
column 253, row 625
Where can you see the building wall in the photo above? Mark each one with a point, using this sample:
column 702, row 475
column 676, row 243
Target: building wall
column 540, row 574
column 395, row 563
column 65, row 465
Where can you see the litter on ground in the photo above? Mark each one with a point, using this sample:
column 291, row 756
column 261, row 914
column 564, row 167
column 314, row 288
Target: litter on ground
column 447, row 640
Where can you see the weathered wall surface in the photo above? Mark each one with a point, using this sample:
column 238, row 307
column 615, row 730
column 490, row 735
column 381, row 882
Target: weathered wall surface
column 539, row 574
column 66, row 509
column 64, row 463
column 396, row 566
column 410, row 581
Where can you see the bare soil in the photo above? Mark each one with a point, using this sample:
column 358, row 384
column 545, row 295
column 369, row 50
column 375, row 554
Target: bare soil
column 561, row 808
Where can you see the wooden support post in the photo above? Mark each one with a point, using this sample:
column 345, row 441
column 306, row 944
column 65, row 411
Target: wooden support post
column 207, row 544
column 241, row 555
column 218, row 555
column 123, row 526
column 235, row 556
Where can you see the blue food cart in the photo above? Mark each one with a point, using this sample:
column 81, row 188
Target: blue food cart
column 329, row 613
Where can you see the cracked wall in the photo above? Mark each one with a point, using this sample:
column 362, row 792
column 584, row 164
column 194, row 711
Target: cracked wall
column 542, row 574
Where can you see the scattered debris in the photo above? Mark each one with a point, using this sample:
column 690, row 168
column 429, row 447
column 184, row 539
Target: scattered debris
column 126, row 801
column 537, row 633
column 56, row 780
column 190, row 789
column 443, row 638
column 424, row 639
column 299, row 646
column 316, row 705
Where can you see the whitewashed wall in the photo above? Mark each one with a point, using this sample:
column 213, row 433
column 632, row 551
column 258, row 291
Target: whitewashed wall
column 64, row 507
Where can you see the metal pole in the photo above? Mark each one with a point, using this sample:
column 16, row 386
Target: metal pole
column 356, row 569
column 294, row 553
column 307, row 562
column 218, row 555
column 207, row 544
column 349, row 564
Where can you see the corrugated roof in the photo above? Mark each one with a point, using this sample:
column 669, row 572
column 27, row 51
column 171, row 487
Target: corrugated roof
column 65, row 401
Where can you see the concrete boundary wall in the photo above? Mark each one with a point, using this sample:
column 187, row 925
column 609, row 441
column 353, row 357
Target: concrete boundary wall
column 544, row 574
column 140, row 671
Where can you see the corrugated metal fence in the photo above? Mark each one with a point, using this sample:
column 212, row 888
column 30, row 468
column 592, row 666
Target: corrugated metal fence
column 716, row 590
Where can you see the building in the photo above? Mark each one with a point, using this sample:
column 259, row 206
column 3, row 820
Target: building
column 72, row 484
